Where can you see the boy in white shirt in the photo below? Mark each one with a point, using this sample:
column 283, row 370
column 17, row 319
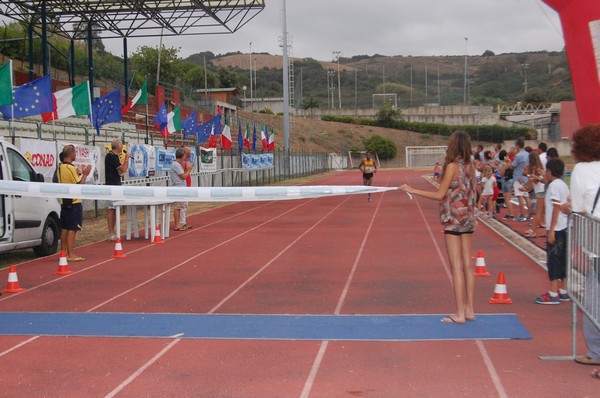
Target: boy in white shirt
column 556, row 234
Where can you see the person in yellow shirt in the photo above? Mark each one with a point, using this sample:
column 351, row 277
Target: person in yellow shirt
column 71, row 210
column 368, row 168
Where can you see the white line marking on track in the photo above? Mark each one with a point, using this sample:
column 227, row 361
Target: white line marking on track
column 138, row 372
column 308, row 384
column 486, row 358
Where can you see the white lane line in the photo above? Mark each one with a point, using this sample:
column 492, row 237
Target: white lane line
column 138, row 372
column 240, row 287
column 486, row 358
column 312, row 375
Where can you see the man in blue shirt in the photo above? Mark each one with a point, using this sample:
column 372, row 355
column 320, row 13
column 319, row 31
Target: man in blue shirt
column 518, row 165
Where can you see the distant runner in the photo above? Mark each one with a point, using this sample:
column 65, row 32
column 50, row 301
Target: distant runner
column 368, row 168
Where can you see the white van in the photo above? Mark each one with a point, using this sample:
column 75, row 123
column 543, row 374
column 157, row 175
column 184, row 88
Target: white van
column 26, row 221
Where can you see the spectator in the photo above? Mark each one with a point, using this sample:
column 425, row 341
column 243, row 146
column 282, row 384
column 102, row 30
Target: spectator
column 585, row 188
column 71, row 210
column 536, row 174
column 487, row 193
column 113, row 170
column 556, row 234
column 188, row 183
column 542, row 148
column 178, row 173
column 518, row 165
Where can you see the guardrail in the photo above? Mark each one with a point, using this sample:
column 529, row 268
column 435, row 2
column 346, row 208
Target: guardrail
column 583, row 272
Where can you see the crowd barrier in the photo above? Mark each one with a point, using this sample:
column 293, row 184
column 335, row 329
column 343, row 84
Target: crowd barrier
column 583, row 272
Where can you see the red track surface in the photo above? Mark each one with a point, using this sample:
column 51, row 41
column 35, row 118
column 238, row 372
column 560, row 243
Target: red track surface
column 339, row 255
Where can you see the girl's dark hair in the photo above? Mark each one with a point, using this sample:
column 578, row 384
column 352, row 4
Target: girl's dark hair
column 586, row 144
column 459, row 147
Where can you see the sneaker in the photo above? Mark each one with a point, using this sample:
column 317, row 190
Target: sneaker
column 564, row 297
column 546, row 298
column 112, row 238
column 520, row 219
column 370, row 200
column 507, row 217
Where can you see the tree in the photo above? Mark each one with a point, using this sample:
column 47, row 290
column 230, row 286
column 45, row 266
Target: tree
column 384, row 147
column 309, row 103
column 387, row 115
column 145, row 60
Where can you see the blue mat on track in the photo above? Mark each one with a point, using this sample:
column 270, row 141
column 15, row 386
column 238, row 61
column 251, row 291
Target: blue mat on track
column 261, row 327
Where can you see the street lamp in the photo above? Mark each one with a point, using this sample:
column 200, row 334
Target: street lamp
column 466, row 99
column 330, row 76
column 525, row 68
column 251, row 102
column 336, row 56
column 244, row 89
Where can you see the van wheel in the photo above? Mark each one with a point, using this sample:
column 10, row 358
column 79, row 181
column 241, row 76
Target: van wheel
column 50, row 236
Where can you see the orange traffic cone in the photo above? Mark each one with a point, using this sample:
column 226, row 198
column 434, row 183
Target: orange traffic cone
column 500, row 294
column 12, row 286
column 118, row 249
column 63, row 265
column 480, row 269
column 157, row 238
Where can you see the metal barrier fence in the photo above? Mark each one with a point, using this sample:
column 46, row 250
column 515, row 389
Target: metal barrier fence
column 583, row 272
column 584, row 265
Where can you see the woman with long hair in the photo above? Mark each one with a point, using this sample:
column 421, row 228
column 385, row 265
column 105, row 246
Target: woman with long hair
column 457, row 198
column 536, row 172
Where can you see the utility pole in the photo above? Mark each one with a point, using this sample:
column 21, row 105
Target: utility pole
column 251, row 97
column 336, row 55
column 465, row 96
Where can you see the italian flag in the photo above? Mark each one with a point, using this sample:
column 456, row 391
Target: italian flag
column 247, row 136
column 271, row 140
column 226, row 136
column 6, row 84
column 74, row 101
column 263, row 138
column 174, row 120
column 140, row 98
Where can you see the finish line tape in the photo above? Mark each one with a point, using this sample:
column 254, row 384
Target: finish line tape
column 176, row 194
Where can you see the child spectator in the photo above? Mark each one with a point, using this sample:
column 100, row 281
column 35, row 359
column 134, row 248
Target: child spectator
column 556, row 234
column 437, row 169
column 487, row 193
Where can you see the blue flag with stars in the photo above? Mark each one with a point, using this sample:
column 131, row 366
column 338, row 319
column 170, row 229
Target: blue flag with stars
column 254, row 138
column 106, row 109
column 161, row 119
column 205, row 129
column 240, row 137
column 29, row 99
column 190, row 124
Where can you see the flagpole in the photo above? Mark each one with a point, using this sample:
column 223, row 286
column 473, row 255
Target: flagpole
column 147, row 133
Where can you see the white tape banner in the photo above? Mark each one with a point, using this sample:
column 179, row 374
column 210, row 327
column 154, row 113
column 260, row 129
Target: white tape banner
column 176, row 194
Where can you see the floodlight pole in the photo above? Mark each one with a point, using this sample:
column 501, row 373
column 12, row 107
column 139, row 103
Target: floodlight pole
column 286, row 82
column 336, row 55
column 465, row 99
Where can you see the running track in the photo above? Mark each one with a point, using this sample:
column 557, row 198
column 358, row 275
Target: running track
column 328, row 256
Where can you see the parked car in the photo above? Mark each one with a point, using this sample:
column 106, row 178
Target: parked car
column 26, row 222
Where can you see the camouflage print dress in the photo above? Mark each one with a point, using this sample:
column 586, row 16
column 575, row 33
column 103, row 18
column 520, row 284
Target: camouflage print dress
column 457, row 208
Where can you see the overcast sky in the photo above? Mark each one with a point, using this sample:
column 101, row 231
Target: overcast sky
column 387, row 27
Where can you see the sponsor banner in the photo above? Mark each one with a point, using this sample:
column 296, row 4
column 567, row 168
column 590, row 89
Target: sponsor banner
column 41, row 154
column 86, row 154
column 257, row 160
column 164, row 159
column 208, row 159
column 142, row 162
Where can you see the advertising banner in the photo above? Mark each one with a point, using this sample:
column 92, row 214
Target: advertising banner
column 87, row 154
column 208, row 159
column 142, row 162
column 164, row 159
column 257, row 160
column 41, row 154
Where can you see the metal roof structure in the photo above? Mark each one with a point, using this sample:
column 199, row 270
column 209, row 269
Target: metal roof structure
column 134, row 18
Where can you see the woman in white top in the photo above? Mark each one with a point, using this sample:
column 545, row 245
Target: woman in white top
column 585, row 186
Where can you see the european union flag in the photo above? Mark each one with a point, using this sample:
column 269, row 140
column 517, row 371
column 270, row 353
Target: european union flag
column 254, row 138
column 29, row 99
column 106, row 109
column 161, row 119
column 240, row 136
column 205, row 129
column 190, row 125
